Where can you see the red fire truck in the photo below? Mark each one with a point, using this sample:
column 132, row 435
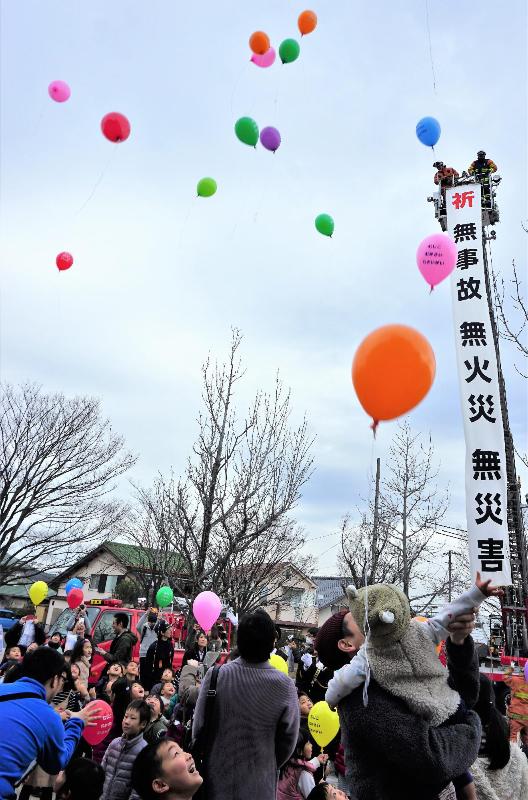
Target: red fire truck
column 100, row 614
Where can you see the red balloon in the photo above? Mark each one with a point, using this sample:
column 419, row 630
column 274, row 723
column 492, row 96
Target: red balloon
column 94, row 734
column 115, row 127
column 75, row 598
column 64, row 261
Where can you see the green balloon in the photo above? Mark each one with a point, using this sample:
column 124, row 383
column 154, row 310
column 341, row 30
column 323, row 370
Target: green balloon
column 206, row 187
column 247, row 131
column 289, row 51
column 164, row 596
column 324, row 224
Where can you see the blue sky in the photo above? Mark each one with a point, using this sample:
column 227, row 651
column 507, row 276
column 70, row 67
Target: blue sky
column 160, row 276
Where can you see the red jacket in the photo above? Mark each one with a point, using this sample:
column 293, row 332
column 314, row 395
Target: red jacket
column 445, row 176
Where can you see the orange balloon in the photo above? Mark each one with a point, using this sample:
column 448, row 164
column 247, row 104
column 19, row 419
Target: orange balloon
column 392, row 371
column 259, row 42
column 307, row 22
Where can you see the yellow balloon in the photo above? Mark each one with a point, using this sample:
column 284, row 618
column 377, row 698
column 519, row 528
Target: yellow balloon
column 38, row 592
column 279, row 663
column 323, row 723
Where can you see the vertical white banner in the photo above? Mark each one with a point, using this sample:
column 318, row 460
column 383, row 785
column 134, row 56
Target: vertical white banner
column 478, row 380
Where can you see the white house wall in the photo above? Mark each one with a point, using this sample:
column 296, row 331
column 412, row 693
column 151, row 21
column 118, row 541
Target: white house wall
column 102, row 564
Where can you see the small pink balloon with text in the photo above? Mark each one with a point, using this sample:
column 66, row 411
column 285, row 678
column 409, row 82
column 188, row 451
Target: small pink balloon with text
column 436, row 258
column 264, row 60
column 206, row 609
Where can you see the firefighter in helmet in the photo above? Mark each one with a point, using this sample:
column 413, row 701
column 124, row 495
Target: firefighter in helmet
column 444, row 177
column 482, row 169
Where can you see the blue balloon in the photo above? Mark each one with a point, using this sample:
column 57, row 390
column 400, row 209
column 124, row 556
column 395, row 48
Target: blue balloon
column 73, row 583
column 428, row 131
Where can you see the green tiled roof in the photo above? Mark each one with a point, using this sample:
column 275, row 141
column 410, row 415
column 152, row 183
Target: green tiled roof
column 141, row 557
column 20, row 591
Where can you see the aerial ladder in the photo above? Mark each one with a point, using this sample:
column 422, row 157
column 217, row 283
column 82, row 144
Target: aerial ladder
column 514, row 605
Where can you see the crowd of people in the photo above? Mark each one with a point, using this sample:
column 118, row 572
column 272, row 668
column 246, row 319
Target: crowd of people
column 230, row 726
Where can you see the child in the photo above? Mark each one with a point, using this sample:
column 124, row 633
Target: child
column 401, row 654
column 55, row 642
column 305, row 705
column 167, row 693
column 167, row 676
column 82, row 779
column 386, row 630
column 296, row 779
column 121, row 753
column 103, row 687
column 157, row 727
column 137, row 692
column 12, row 656
column 325, row 791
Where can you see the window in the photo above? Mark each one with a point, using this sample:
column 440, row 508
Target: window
column 105, row 584
column 292, row 596
column 103, row 630
column 94, row 582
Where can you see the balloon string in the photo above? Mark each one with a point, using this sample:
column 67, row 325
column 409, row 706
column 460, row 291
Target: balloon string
column 98, row 181
column 430, row 43
column 374, row 427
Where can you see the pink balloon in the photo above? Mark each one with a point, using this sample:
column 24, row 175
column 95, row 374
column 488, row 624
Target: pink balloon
column 436, row 258
column 526, row 672
column 59, row 91
column 94, row 734
column 206, row 609
column 265, row 60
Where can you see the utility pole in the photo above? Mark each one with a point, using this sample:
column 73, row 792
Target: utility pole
column 450, row 575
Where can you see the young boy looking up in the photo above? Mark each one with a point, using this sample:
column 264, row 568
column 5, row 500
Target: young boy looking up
column 122, row 752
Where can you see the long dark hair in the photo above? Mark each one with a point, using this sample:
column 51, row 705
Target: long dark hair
column 298, row 754
column 496, row 727
column 77, row 652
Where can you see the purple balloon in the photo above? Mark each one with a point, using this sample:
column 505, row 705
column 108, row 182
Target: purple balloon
column 270, row 138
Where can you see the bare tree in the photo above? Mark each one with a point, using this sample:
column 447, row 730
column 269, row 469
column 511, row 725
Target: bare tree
column 228, row 516
column 511, row 310
column 410, row 509
column 256, row 574
column 58, row 462
column 512, row 323
column 149, row 527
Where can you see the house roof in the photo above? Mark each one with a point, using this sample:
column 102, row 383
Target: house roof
column 20, row 591
column 329, row 589
column 130, row 555
column 133, row 556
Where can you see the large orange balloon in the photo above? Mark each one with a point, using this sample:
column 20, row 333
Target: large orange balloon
column 392, row 371
column 307, row 22
column 259, row 42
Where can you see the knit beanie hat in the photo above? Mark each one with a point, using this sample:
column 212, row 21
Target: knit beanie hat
column 380, row 610
column 326, row 642
column 161, row 627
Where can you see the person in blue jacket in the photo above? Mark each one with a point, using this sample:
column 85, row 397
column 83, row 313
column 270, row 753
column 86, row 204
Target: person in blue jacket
column 32, row 732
